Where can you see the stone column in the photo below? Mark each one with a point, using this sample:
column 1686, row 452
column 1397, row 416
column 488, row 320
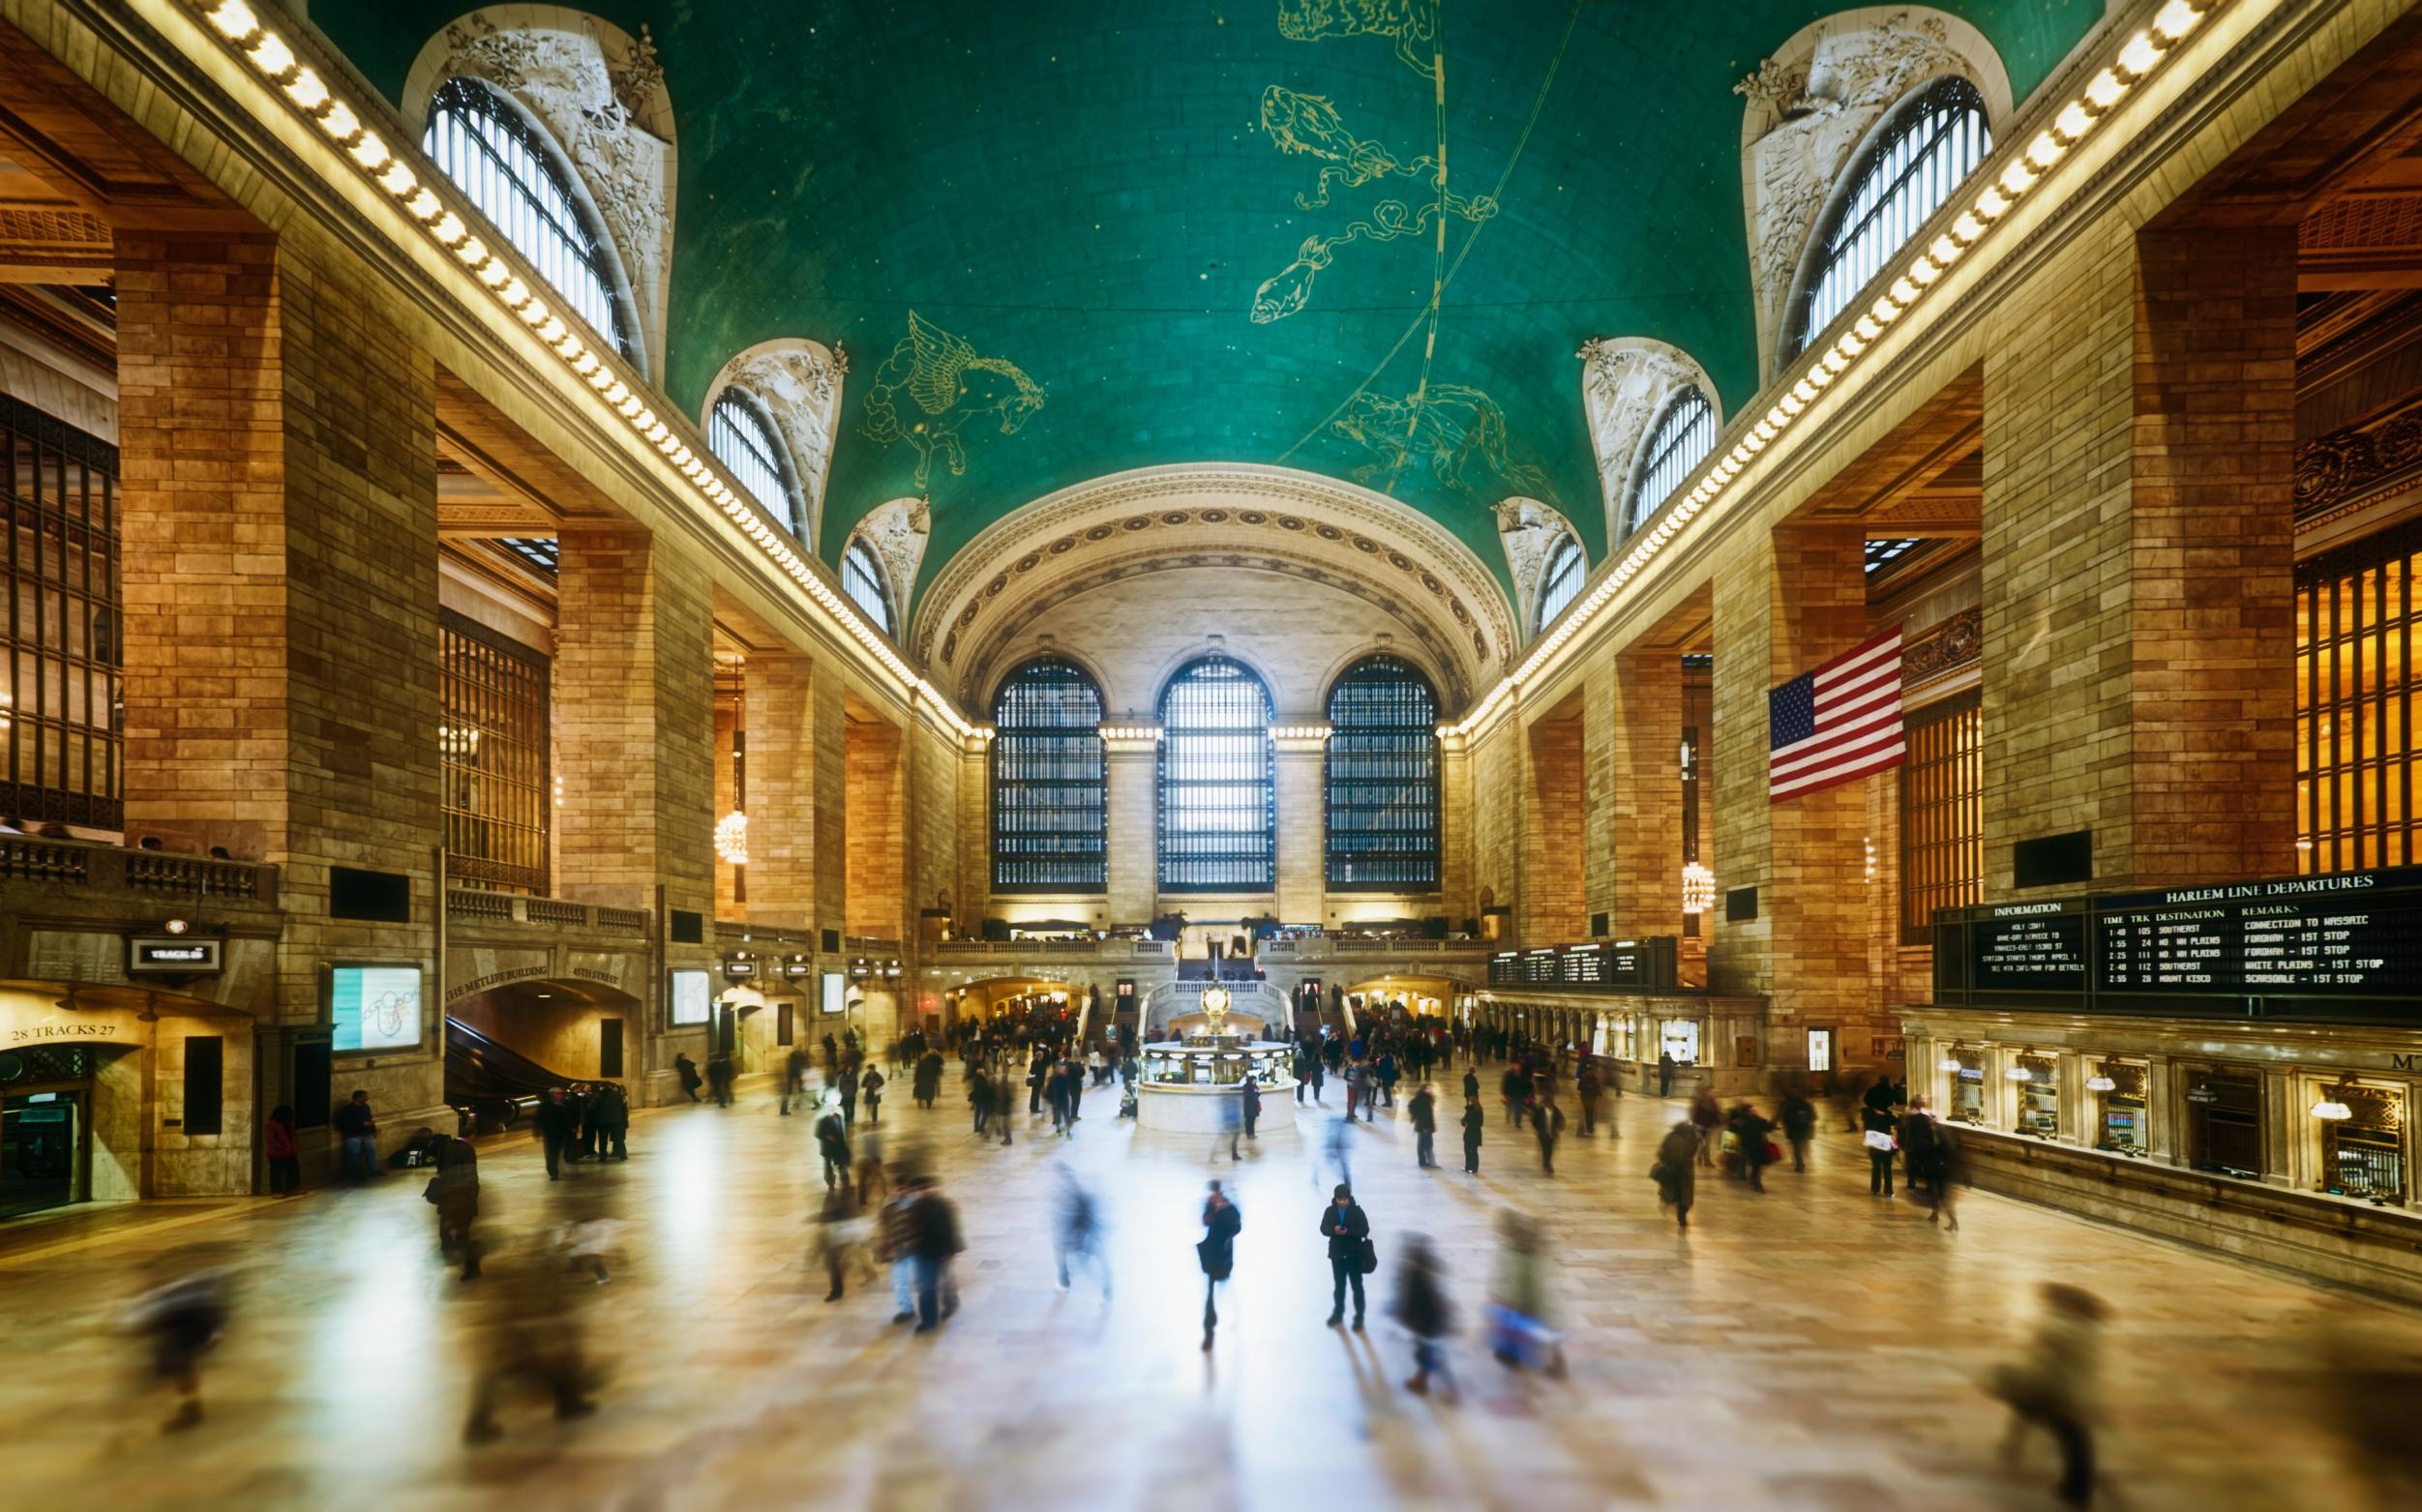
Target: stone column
column 1783, row 605
column 876, row 903
column 1134, row 830
column 1303, row 831
column 973, row 898
column 1552, row 863
column 1455, row 830
column 1640, row 791
column 2139, row 554
column 634, row 706
column 784, row 768
column 279, row 508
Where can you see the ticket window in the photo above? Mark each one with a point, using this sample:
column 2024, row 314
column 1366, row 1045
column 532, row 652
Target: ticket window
column 2363, row 1155
column 1680, row 1039
column 2225, row 1122
column 1967, row 1088
column 2039, row 1097
column 2120, row 1124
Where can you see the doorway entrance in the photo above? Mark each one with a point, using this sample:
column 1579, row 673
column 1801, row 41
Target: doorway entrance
column 45, row 1128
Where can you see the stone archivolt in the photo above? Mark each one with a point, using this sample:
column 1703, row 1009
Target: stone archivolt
column 1626, row 384
column 799, row 383
column 1209, row 512
column 896, row 533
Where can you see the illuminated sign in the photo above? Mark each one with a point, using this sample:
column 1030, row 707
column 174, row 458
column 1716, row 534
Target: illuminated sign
column 689, row 997
column 171, row 955
column 375, row 1007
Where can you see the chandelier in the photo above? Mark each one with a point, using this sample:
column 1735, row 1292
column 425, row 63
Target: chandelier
column 732, row 838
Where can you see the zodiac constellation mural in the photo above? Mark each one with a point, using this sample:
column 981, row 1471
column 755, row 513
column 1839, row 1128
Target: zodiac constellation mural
column 1309, row 125
column 950, row 385
column 1448, row 425
column 1413, row 24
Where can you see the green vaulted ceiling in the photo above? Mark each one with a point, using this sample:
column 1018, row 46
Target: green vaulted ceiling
column 1146, row 231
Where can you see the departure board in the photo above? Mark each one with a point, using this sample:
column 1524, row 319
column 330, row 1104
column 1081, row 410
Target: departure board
column 2028, row 947
column 2284, row 945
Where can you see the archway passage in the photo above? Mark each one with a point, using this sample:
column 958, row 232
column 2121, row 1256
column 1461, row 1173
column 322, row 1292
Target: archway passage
column 507, row 1046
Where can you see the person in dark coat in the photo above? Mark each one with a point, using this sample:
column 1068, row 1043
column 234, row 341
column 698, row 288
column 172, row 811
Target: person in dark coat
column 1472, row 1117
column 687, row 1069
column 832, row 1142
column 1250, row 1104
column 1749, row 1131
column 872, row 1084
column 1345, row 1228
column 1471, row 1087
column 455, row 1191
column 1548, row 1121
column 1676, row 1172
column 1587, row 1086
column 555, row 1123
column 933, row 1240
column 979, row 1099
column 1799, row 1123
column 611, row 1110
column 1880, row 1146
column 1218, row 1252
column 1422, row 1109
column 1664, row 1073
column 927, row 1084
column 1423, row 1307
column 794, row 1078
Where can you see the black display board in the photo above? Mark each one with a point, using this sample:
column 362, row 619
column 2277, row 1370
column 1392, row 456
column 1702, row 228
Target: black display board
column 2286, row 945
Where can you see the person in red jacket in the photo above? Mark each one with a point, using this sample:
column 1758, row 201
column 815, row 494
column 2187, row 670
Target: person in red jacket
column 285, row 1160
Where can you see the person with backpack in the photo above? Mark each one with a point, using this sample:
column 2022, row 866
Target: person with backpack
column 1348, row 1230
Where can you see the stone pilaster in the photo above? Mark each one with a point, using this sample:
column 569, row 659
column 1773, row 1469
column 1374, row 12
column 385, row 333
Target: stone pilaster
column 1134, row 833
column 876, row 854
column 1550, row 908
column 783, row 766
column 1642, row 795
column 1303, row 876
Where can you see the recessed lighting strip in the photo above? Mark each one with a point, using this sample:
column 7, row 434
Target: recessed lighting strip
column 2135, row 61
column 562, row 333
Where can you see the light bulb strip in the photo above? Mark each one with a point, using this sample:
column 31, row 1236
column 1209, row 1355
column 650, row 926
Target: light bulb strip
column 2023, row 172
column 315, row 100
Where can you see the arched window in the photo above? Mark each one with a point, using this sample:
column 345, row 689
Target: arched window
column 862, row 579
column 515, row 176
column 1218, row 804
column 1382, row 779
column 1933, row 139
column 1560, row 583
column 1051, row 827
column 743, row 439
column 1680, row 440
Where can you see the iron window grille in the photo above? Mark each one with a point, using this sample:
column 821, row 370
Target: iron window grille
column 1683, row 437
column 1051, row 777
column 862, row 579
column 741, row 436
column 1942, row 812
column 2355, row 643
column 1218, row 800
column 1560, row 583
column 492, row 747
column 1936, row 138
column 61, row 719
column 1382, row 778
column 515, row 176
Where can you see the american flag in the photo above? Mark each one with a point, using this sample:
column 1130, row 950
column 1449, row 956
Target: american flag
column 1837, row 723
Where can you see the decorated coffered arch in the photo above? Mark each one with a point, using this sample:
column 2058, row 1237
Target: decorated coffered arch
column 1249, row 554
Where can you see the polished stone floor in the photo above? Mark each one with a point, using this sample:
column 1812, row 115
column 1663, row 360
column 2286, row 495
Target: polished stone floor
column 1812, row 1346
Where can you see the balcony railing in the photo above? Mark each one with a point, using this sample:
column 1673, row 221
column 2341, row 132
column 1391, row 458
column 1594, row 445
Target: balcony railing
column 465, row 902
column 156, row 874
column 1329, row 947
column 1030, row 949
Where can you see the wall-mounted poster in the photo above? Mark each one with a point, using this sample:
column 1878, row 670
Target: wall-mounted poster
column 689, row 997
column 836, row 994
column 375, row 1007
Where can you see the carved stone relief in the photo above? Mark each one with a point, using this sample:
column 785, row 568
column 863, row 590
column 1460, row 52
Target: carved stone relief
column 1626, row 382
column 1809, row 106
column 1530, row 531
column 598, row 93
column 896, row 533
column 799, row 383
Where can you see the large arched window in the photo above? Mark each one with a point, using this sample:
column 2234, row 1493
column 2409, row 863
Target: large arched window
column 1933, row 140
column 1560, row 583
column 1383, row 779
column 862, row 579
column 1051, row 828
column 515, row 176
column 1218, row 804
column 1680, row 440
column 745, row 441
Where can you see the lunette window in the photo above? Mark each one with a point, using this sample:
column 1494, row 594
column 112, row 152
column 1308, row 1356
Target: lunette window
column 743, row 440
column 1681, row 439
column 1560, row 583
column 515, row 176
column 1218, row 799
column 1934, row 139
column 1382, row 779
column 1051, row 828
column 862, row 579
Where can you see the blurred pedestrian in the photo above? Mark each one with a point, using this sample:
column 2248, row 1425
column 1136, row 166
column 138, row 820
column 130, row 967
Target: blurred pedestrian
column 927, row 1083
column 1077, row 1233
column 933, row 1230
column 840, row 1235
column 832, row 1142
column 794, row 1078
column 281, row 1146
column 455, row 1192
column 687, row 1069
column 719, row 1078
column 871, row 1086
column 1880, row 1145
column 1943, row 1174
column 1473, row 1118
column 1519, row 1329
column 1423, row 1307
column 1340, row 1130
column 1676, row 1172
column 1216, row 1250
column 2052, row 1385
column 357, row 1130
column 531, row 1331
column 870, row 1164
column 1664, row 1073
column 1250, row 1104
column 1548, row 1122
column 1471, row 1086
column 1799, row 1123
column 1586, row 1086
column 1753, row 1132
column 183, row 1319
column 1351, row 1256
column 846, row 1082
column 612, row 1110
column 1422, row 1109
column 554, row 1123
column 979, row 1099
column 1707, row 1118
column 895, row 1245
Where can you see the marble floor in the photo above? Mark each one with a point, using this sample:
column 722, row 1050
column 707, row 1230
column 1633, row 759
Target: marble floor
column 1808, row 1348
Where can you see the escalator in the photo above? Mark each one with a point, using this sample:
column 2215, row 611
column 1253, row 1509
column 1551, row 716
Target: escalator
column 492, row 1084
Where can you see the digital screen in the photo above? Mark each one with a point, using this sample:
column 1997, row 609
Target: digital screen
column 689, row 997
column 2029, row 948
column 836, row 988
column 375, row 1007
